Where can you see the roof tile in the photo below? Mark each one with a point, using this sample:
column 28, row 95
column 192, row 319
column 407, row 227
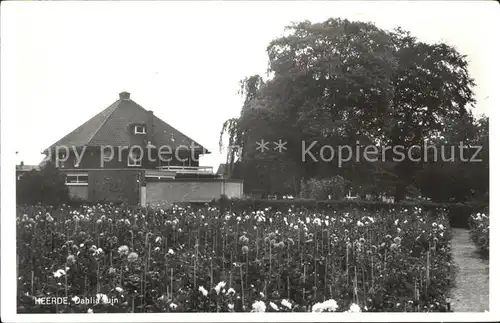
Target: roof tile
column 112, row 127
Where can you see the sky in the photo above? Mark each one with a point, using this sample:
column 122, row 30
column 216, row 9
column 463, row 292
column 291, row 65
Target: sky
column 63, row 62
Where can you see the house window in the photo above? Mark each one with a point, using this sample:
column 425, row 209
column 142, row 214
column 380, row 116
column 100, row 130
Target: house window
column 60, row 161
column 107, row 155
column 140, row 129
column 77, row 179
column 134, row 159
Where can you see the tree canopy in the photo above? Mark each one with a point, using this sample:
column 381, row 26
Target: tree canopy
column 339, row 83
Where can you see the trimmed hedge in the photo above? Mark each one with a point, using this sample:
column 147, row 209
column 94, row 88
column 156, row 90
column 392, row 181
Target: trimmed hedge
column 458, row 212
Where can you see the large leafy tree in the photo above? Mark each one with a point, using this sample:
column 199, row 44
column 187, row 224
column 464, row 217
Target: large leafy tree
column 459, row 180
column 431, row 85
column 350, row 83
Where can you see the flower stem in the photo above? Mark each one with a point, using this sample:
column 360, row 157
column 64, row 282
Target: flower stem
column 242, row 290
column 32, row 283
column 288, row 286
column 212, row 274
column 257, row 244
column 230, row 269
column 172, row 282
column 195, row 260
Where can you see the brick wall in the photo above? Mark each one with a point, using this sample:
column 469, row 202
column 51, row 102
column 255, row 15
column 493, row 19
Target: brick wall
column 79, row 192
column 114, row 185
column 193, row 190
column 90, row 158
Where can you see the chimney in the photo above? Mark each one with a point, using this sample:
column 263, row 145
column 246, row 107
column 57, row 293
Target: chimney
column 22, row 163
column 124, row 96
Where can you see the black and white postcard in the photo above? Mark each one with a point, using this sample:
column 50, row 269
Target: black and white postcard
column 250, row 161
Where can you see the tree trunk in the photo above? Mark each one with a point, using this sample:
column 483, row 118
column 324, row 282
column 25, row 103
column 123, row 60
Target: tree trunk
column 400, row 192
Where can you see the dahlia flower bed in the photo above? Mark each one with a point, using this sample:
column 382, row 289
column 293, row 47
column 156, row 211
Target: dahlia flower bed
column 106, row 258
column 480, row 232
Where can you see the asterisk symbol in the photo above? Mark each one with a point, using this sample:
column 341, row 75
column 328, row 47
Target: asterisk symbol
column 280, row 146
column 262, row 145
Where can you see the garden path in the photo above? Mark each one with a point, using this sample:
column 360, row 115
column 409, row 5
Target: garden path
column 471, row 293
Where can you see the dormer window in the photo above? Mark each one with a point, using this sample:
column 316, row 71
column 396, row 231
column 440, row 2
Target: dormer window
column 140, row 129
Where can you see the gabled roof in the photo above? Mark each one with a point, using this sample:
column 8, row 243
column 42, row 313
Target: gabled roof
column 44, row 161
column 112, row 127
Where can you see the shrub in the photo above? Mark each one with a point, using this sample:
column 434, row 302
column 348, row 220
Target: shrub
column 480, row 233
column 321, row 189
column 45, row 186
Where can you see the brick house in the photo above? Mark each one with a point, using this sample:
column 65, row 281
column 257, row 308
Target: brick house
column 126, row 153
